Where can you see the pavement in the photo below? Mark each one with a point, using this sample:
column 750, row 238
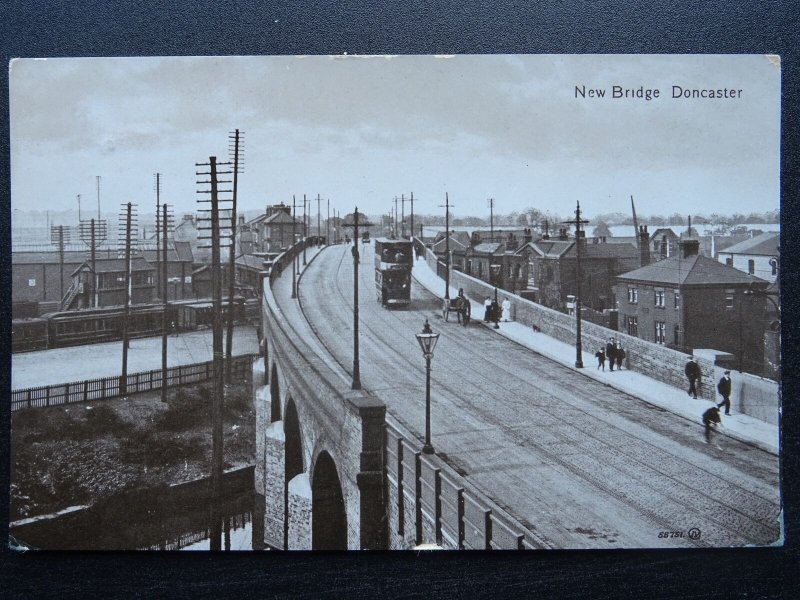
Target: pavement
column 674, row 400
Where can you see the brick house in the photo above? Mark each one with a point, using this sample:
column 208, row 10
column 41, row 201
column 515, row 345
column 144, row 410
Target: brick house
column 247, row 280
column 690, row 301
column 274, row 230
column 554, row 271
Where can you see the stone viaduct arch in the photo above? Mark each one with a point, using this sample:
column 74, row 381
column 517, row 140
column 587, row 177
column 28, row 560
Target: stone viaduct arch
column 319, row 445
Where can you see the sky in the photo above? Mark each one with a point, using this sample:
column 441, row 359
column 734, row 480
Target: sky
column 359, row 131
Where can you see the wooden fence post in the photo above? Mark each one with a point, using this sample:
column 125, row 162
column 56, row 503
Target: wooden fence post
column 85, row 390
column 29, row 397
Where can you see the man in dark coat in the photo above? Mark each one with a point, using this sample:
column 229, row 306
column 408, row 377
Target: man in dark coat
column 724, row 389
column 692, row 371
column 711, row 420
column 611, row 353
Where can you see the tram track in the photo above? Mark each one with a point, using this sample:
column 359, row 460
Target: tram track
column 645, row 467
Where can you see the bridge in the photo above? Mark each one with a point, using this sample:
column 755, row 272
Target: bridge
column 530, row 454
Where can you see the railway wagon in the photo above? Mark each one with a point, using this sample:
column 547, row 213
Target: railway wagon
column 393, row 261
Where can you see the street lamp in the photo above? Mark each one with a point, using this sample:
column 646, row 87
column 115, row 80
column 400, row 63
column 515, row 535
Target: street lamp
column 427, row 341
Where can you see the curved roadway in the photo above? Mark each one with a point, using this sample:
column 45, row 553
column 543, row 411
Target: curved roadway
column 580, row 463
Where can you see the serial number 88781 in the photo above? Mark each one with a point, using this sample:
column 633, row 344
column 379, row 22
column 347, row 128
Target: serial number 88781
column 670, row 534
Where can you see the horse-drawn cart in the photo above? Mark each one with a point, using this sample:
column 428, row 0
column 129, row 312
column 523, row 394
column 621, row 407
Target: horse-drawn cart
column 459, row 305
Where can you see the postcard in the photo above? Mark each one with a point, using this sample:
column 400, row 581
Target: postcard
column 461, row 302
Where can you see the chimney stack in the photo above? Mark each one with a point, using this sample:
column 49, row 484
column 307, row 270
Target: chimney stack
column 644, row 246
column 689, row 248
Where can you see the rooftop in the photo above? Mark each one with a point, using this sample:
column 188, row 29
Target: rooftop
column 694, row 270
column 766, row 244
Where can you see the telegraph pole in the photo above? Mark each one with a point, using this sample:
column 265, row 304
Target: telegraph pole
column 491, row 219
column 578, row 241
column 412, row 214
column 164, row 296
column 127, row 215
column 59, row 235
column 319, row 230
column 447, row 206
column 328, row 225
column 158, row 231
column 395, row 215
column 236, row 150
column 79, row 208
column 294, row 241
column 403, row 216
column 356, row 385
column 218, row 395
column 93, row 233
column 305, row 231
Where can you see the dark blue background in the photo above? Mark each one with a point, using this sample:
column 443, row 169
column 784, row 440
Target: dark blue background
column 36, row 28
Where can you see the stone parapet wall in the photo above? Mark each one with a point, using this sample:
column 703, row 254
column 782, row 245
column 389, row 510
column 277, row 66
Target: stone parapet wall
column 344, row 423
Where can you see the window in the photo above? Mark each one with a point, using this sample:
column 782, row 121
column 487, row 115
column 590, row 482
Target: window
column 31, row 283
column 677, row 299
column 677, row 341
column 633, row 326
column 729, row 298
column 774, row 264
column 660, row 295
column 661, row 332
column 751, row 266
column 633, row 295
column 729, row 261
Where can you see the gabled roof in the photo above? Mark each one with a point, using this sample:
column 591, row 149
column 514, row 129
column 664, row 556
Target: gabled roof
column 455, row 244
column 281, row 216
column 250, row 261
column 694, row 270
column 463, row 237
column 116, row 265
column 765, row 244
column 551, row 248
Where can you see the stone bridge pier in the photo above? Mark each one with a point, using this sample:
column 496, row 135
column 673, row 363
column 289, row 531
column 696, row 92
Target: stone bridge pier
column 319, row 446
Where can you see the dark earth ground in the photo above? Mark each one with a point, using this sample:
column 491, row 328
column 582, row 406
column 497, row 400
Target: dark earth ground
column 82, row 453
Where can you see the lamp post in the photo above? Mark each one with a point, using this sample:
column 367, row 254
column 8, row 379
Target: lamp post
column 427, row 342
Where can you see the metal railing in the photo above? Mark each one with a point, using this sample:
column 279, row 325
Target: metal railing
column 109, row 387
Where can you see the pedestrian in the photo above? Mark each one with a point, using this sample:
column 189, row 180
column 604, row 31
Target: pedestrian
column 620, row 355
column 711, row 420
column 692, row 371
column 601, row 359
column 611, row 353
column 724, row 388
column 487, row 305
column 506, row 310
column 494, row 310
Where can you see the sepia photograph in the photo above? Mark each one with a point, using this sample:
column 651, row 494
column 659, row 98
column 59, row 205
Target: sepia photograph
column 415, row 302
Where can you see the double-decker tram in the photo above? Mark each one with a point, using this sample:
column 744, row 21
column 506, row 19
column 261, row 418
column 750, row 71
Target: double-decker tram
column 393, row 260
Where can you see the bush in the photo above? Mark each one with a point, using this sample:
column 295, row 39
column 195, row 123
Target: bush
column 187, row 408
column 154, row 449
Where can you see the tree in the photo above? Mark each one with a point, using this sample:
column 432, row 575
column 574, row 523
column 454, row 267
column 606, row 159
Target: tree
column 522, row 220
column 601, row 230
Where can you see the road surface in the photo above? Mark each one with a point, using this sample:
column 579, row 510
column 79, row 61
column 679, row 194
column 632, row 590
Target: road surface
column 578, row 462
